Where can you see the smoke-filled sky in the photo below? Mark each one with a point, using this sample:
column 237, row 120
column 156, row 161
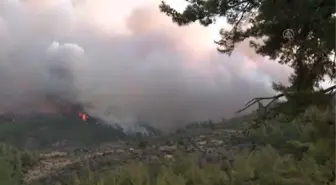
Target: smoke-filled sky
column 126, row 59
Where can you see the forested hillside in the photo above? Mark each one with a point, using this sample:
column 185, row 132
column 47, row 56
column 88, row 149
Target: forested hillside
column 58, row 131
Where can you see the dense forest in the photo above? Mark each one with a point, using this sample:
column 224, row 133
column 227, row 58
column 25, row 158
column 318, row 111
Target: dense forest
column 292, row 132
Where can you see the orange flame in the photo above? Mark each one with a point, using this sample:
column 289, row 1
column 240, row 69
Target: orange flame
column 83, row 116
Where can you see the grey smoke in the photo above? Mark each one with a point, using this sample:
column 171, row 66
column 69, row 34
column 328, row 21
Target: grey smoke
column 155, row 73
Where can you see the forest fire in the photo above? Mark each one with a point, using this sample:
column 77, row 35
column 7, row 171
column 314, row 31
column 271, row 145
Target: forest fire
column 83, row 116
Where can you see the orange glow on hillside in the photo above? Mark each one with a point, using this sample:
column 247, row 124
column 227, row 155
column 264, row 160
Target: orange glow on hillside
column 83, row 116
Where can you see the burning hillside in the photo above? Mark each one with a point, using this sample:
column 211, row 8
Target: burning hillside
column 83, row 116
column 51, row 107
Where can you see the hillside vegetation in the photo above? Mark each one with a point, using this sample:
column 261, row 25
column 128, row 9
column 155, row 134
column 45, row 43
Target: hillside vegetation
column 56, row 131
column 286, row 153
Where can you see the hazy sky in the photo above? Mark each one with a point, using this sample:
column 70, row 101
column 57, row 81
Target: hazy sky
column 126, row 59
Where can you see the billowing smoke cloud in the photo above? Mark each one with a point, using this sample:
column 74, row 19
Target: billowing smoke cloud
column 139, row 67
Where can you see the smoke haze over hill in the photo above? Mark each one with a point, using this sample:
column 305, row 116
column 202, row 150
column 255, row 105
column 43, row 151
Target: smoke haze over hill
column 128, row 67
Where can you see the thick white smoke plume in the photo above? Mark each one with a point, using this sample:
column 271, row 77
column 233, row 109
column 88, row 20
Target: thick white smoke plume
column 128, row 65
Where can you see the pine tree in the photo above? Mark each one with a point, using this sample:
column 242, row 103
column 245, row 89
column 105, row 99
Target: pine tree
column 310, row 51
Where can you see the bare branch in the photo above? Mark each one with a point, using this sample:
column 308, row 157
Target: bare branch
column 276, row 97
column 332, row 88
column 256, row 100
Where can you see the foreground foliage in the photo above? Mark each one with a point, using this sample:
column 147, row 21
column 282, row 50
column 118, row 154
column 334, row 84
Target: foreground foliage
column 263, row 167
column 289, row 153
column 14, row 164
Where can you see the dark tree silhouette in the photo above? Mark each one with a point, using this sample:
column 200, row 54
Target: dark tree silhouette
column 310, row 52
